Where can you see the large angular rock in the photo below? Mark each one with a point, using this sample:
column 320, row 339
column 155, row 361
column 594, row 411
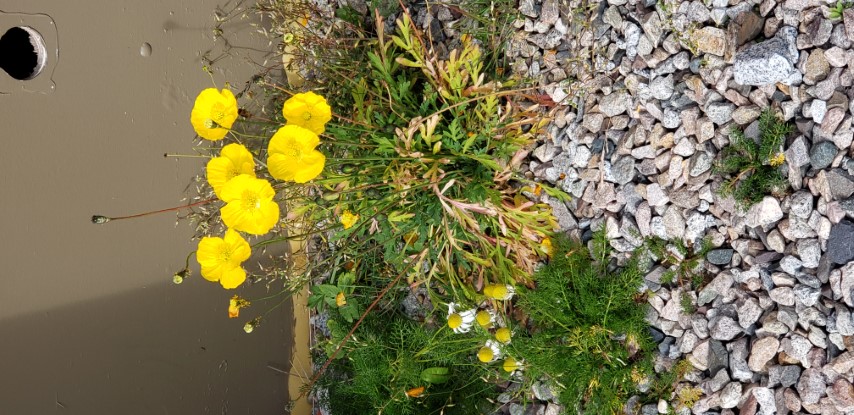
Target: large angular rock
column 811, row 386
column 762, row 352
column 840, row 249
column 770, row 61
column 764, row 213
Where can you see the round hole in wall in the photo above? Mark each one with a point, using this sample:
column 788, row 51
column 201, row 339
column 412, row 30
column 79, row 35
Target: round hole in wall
column 23, row 54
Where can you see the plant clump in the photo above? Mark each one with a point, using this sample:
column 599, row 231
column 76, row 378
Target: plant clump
column 753, row 166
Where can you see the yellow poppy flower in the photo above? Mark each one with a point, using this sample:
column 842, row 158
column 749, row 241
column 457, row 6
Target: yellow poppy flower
column 220, row 258
column 234, row 306
column 213, row 113
column 292, row 155
column 233, row 161
column 249, row 205
column 308, row 110
column 348, row 219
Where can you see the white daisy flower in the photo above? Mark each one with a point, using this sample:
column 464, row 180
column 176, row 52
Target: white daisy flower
column 486, row 318
column 490, row 352
column 461, row 321
column 499, row 291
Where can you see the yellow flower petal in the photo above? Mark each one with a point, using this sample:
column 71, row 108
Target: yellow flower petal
column 213, row 113
column 348, row 219
column 220, row 258
column 233, row 278
column 249, row 205
column 233, row 309
column 340, row 300
column 308, row 110
column 233, row 161
column 292, row 155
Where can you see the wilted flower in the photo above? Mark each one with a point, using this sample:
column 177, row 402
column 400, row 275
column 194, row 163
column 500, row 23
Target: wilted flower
column 486, row 318
column 503, row 335
column 510, row 365
column 234, row 306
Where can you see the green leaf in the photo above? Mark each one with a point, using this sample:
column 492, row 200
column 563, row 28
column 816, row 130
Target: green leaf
column 436, row 375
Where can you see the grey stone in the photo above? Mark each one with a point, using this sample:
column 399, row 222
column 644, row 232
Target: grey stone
column 725, row 328
column 846, row 283
column 549, row 12
column 720, row 256
column 801, row 205
column 765, row 399
column 783, row 375
column 764, row 213
column 738, row 361
column 797, row 348
column 818, row 109
column 662, row 87
column 730, row 395
column 822, row 154
column 655, row 196
column 783, row 296
column 718, row 356
column 811, row 386
column 805, row 295
column 748, row 312
column 840, row 249
column 770, row 61
column 622, row 171
column 762, row 352
column 700, row 163
column 720, row 112
column 809, row 250
column 614, row 104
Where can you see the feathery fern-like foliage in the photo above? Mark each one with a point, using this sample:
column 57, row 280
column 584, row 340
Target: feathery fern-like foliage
column 591, row 340
column 753, row 166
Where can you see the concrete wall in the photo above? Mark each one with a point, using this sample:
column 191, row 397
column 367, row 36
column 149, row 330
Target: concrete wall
column 90, row 322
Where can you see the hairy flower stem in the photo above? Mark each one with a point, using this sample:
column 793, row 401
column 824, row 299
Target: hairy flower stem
column 100, row 219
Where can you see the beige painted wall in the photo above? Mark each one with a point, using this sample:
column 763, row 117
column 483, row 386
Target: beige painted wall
column 90, row 322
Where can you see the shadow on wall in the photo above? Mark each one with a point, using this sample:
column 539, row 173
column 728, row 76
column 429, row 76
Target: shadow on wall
column 105, row 357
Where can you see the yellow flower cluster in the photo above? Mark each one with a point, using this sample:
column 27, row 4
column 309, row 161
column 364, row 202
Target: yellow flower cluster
column 249, row 205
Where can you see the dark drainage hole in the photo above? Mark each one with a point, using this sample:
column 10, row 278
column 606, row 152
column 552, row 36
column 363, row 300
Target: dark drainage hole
column 23, row 54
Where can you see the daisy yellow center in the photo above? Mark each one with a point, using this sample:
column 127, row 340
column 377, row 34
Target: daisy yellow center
column 499, row 291
column 485, row 354
column 251, row 201
column 483, row 318
column 510, row 364
column 455, row 321
column 503, row 335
